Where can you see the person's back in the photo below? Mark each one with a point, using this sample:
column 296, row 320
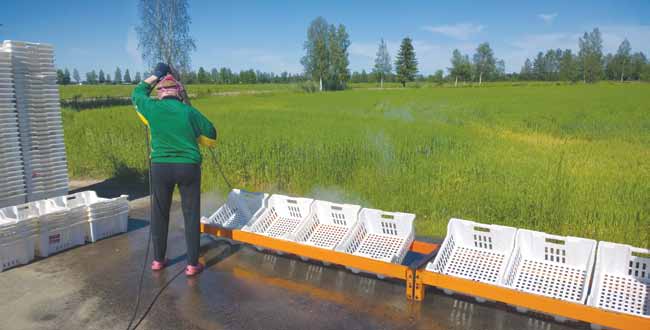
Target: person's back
column 175, row 127
column 176, row 130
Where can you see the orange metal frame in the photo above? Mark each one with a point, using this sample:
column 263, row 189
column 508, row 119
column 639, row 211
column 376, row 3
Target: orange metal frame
column 416, row 279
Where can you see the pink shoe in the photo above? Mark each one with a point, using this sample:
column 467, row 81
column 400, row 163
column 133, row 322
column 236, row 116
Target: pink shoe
column 158, row 265
column 193, row 270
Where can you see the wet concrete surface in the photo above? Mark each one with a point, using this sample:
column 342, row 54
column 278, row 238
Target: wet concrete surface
column 94, row 287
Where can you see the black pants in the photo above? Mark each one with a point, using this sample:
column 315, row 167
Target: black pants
column 164, row 177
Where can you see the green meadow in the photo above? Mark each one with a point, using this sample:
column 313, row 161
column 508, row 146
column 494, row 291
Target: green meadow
column 565, row 159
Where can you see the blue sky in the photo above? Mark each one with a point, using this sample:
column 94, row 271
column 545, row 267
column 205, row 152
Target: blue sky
column 268, row 35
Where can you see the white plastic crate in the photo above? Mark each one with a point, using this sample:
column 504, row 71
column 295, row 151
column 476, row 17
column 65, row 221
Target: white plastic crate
column 622, row 279
column 17, row 252
column 23, row 219
column 238, row 209
column 474, row 251
column 98, row 205
column 18, row 229
column 549, row 265
column 100, row 228
column 61, row 211
column 60, row 239
column 380, row 235
column 104, row 216
column 282, row 216
column 327, row 224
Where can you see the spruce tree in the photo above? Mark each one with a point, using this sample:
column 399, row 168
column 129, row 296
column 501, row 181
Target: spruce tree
column 66, row 77
column 75, row 76
column 406, row 65
column 117, row 78
column 127, row 76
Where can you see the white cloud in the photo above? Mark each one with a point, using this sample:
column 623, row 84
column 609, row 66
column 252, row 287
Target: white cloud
column 131, row 46
column 460, row 31
column 547, row 18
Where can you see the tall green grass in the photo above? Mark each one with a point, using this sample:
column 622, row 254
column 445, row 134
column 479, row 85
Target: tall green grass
column 570, row 160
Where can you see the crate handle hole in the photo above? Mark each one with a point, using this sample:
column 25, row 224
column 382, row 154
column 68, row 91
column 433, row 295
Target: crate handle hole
column 292, row 201
column 482, row 229
column 387, row 216
column 555, row 241
column 337, row 208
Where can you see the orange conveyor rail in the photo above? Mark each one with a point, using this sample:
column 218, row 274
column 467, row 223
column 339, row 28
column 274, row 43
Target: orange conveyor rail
column 417, row 278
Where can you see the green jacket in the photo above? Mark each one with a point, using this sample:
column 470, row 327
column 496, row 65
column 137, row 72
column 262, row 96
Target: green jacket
column 176, row 128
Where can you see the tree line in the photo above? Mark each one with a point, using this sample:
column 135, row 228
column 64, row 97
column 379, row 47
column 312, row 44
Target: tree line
column 202, row 76
column 326, row 63
column 93, row 77
column 589, row 64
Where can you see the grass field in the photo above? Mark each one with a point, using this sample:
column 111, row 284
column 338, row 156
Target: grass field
column 92, row 91
column 562, row 159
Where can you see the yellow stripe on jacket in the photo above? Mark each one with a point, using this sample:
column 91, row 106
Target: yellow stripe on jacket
column 206, row 141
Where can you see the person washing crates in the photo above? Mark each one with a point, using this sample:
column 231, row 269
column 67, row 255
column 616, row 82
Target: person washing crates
column 176, row 131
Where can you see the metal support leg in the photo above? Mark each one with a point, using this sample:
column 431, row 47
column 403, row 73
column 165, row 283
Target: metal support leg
column 418, row 287
column 410, row 278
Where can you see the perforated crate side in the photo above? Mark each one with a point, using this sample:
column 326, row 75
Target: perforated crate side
column 446, row 250
column 307, row 228
column 404, row 249
column 621, row 279
column 354, row 238
column 443, row 257
column 513, row 265
column 262, row 222
column 251, row 202
column 239, row 209
column 222, row 214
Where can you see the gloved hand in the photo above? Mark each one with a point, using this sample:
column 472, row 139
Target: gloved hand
column 161, row 70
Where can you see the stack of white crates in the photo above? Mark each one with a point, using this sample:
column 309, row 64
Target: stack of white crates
column 32, row 82
column 106, row 216
column 18, row 234
column 12, row 175
column 61, row 225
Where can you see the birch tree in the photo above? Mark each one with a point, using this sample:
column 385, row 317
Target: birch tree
column 460, row 66
column 339, row 41
column 591, row 55
column 623, row 56
column 316, row 59
column 383, row 66
column 164, row 33
column 484, row 61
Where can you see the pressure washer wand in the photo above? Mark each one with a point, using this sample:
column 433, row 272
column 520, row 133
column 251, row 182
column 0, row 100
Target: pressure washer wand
column 216, row 161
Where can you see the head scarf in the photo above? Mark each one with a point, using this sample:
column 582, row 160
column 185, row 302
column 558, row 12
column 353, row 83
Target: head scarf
column 169, row 87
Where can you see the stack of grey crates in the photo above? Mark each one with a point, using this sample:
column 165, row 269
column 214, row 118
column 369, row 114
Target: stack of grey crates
column 34, row 164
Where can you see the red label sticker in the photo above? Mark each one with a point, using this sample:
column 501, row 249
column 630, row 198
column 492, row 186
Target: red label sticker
column 55, row 239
